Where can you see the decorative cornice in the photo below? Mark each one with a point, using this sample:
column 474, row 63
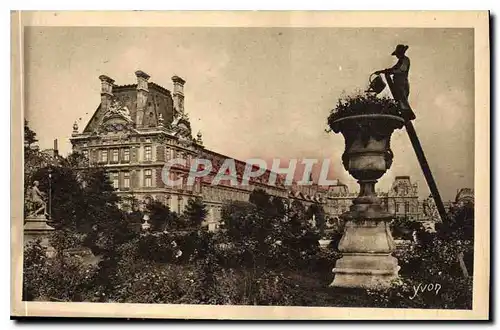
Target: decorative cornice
column 142, row 74
column 177, row 79
column 106, row 79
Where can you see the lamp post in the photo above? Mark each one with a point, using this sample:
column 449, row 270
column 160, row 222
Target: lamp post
column 50, row 193
column 407, row 206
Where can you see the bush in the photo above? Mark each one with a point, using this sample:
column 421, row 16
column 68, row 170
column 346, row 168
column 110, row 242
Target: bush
column 34, row 271
column 402, row 228
column 195, row 212
column 65, row 239
column 265, row 254
column 158, row 247
column 363, row 103
column 141, row 281
column 62, row 278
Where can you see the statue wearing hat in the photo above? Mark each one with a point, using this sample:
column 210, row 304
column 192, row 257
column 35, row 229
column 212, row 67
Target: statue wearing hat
column 399, row 74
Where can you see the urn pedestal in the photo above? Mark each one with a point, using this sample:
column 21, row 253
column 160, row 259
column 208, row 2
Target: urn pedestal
column 367, row 242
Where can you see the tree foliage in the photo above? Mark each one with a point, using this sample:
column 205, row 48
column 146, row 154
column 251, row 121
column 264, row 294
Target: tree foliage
column 266, row 252
column 195, row 212
column 160, row 216
column 29, row 136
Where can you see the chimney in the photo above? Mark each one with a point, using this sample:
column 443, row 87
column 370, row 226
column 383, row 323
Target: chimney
column 178, row 94
column 106, row 91
column 56, row 150
column 142, row 96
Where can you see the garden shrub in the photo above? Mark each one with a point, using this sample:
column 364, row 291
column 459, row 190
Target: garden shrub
column 34, row 271
column 158, row 247
column 150, row 282
column 61, row 278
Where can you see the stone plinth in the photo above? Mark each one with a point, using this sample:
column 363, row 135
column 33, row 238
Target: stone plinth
column 367, row 261
column 36, row 228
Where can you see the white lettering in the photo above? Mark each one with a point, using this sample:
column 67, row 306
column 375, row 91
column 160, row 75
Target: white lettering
column 194, row 173
column 165, row 172
column 416, row 291
column 247, row 174
column 230, row 166
column 306, row 178
column 323, row 175
column 289, row 171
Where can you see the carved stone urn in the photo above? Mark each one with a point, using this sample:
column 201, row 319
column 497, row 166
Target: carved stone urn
column 367, row 242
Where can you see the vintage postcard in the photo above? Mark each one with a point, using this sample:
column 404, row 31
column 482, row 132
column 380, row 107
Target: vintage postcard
column 251, row 165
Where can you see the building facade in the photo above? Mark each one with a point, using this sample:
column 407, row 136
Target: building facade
column 401, row 200
column 138, row 128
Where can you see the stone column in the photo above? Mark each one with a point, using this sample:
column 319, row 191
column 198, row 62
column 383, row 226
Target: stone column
column 142, row 97
column 178, row 94
column 106, row 91
column 367, row 242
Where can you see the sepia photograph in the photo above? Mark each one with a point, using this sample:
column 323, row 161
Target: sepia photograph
column 250, row 165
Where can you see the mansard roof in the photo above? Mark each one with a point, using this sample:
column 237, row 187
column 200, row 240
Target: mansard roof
column 159, row 101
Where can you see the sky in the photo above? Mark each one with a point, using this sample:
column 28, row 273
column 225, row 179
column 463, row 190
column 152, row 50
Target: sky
column 265, row 92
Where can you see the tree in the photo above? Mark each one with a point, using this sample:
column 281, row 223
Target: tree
column 460, row 224
column 401, row 228
column 29, row 136
column 106, row 223
column 298, row 236
column 76, row 161
column 34, row 160
column 109, row 227
column 238, row 220
column 459, row 229
column 65, row 195
column 264, row 203
column 195, row 212
column 317, row 211
column 439, row 258
column 266, row 219
column 34, row 270
column 279, row 205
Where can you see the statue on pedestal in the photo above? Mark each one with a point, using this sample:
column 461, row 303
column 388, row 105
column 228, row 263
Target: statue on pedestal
column 35, row 223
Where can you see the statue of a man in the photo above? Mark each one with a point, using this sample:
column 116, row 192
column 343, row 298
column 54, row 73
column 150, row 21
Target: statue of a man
column 399, row 74
column 37, row 198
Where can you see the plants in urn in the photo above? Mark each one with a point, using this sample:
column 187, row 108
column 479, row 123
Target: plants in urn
column 367, row 123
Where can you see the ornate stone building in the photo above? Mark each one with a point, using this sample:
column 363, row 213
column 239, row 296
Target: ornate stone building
column 401, row 200
column 338, row 200
column 137, row 128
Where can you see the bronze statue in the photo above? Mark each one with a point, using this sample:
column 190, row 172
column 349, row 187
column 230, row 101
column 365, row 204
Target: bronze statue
column 36, row 197
column 399, row 74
